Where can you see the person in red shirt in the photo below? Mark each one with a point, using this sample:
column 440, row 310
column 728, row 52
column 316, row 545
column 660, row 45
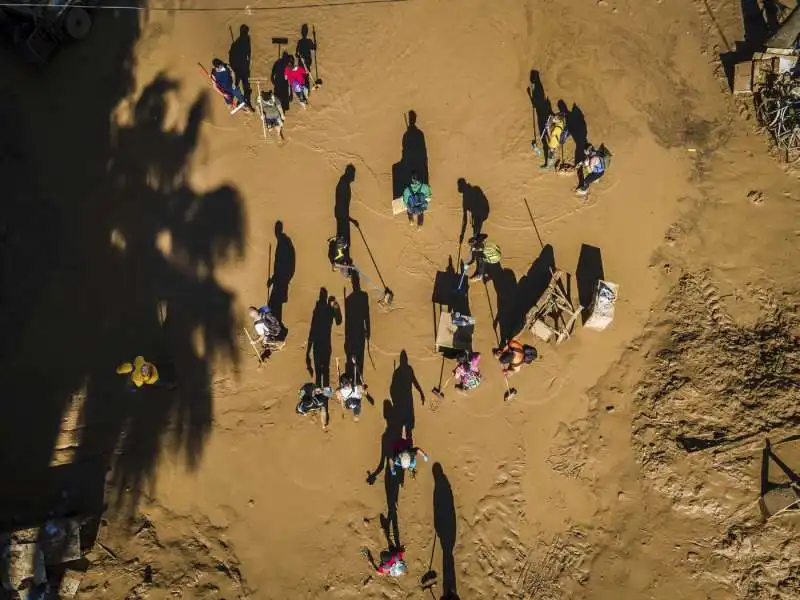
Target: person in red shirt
column 297, row 76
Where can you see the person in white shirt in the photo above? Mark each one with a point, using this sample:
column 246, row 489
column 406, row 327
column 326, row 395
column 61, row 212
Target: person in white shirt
column 350, row 395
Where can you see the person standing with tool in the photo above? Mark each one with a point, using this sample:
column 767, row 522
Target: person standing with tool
column 482, row 253
column 296, row 75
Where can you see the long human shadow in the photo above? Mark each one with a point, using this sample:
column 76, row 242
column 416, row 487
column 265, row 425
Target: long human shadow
column 282, row 271
column 404, row 381
column 541, row 103
column 474, row 207
column 319, row 338
column 505, row 287
column 341, row 207
column 390, row 439
column 239, row 58
column 527, row 293
column 102, row 238
column 279, row 84
column 356, row 327
column 588, row 272
column 576, row 125
column 444, row 523
column 413, row 158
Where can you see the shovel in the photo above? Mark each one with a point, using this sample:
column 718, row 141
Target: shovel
column 280, row 41
column 317, row 80
column 510, row 393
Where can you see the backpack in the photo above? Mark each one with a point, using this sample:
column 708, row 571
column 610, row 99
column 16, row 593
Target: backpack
column 529, row 354
column 417, row 202
column 270, row 322
column 492, row 254
column 605, row 155
column 471, row 380
column 557, row 120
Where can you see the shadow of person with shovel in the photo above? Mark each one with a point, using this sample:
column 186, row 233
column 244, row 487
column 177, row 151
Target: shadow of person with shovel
column 444, row 523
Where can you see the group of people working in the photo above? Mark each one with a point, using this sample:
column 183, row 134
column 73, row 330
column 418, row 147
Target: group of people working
column 594, row 164
column 296, row 73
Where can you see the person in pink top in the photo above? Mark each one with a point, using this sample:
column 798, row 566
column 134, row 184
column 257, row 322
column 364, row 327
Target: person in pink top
column 297, row 76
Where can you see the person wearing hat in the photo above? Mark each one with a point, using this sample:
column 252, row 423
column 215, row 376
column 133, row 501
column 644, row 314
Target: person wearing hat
column 482, row 253
column 406, row 460
column 140, row 372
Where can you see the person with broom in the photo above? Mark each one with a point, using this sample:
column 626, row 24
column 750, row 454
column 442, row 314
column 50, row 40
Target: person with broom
column 223, row 78
column 514, row 355
column 467, row 374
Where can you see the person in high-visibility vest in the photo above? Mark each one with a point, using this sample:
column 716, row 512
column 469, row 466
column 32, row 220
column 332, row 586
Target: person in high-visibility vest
column 482, row 253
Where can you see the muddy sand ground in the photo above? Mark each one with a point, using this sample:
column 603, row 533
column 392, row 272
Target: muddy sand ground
column 133, row 186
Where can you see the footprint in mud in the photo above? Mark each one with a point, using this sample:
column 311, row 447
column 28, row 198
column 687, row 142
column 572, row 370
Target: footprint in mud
column 493, row 543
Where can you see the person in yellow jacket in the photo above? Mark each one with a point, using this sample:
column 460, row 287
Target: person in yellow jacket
column 554, row 136
column 141, row 372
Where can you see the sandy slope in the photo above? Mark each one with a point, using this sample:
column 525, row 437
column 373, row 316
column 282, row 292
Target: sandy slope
column 549, row 498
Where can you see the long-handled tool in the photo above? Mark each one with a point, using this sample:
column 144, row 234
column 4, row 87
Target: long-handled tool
column 533, row 222
column 437, row 389
column 510, row 391
column 228, row 98
column 338, row 379
column 388, row 295
column 280, row 41
column 303, row 64
column 269, row 271
column 261, row 111
column 430, row 578
column 535, row 141
column 317, row 80
column 255, row 347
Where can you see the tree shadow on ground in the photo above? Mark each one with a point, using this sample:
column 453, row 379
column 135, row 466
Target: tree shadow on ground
column 95, row 237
